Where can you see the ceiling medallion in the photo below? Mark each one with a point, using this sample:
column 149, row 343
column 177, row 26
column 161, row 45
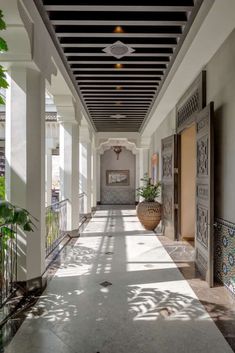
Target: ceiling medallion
column 118, row 49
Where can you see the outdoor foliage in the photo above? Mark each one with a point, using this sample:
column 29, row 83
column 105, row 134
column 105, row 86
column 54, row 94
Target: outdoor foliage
column 3, row 48
column 2, row 188
column 11, row 215
column 149, row 191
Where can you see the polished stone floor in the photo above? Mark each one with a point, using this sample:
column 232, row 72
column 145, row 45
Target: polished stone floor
column 118, row 290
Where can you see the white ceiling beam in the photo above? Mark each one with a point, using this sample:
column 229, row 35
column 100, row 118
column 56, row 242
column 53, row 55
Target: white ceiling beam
column 116, row 23
column 116, row 94
column 121, row 81
column 113, row 8
column 102, row 62
column 117, row 35
column 130, row 55
column 119, row 70
column 117, row 76
column 97, row 45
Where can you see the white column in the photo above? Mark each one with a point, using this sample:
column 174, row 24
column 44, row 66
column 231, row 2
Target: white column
column 94, row 175
column 143, row 161
column 143, row 164
column 137, row 174
column 48, row 176
column 85, row 174
column 25, row 163
column 69, row 171
column 98, row 184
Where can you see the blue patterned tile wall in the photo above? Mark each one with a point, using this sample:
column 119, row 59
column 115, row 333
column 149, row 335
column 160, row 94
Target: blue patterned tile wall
column 225, row 253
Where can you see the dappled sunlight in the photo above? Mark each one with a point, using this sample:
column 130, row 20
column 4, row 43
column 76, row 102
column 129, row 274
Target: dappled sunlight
column 151, row 302
column 56, row 308
column 117, row 283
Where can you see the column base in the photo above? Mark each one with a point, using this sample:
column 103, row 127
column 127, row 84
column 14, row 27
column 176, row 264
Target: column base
column 38, row 283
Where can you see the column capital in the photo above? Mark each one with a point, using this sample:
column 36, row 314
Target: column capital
column 145, row 142
column 66, row 109
column 85, row 134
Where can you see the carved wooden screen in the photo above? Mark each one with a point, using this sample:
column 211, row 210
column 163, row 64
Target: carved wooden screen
column 204, row 193
column 169, row 186
column 192, row 102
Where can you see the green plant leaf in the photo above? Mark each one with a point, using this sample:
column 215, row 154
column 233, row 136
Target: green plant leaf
column 3, row 45
column 2, row 183
column 6, row 211
column 2, row 24
column 28, row 227
column 3, row 81
column 2, row 101
column 20, row 217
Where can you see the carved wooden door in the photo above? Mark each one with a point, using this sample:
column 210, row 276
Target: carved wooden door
column 204, row 193
column 169, row 186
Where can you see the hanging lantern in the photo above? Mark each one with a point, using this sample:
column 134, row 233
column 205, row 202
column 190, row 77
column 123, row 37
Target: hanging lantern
column 117, row 150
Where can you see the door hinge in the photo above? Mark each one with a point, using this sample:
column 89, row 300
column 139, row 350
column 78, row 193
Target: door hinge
column 176, row 206
column 176, row 170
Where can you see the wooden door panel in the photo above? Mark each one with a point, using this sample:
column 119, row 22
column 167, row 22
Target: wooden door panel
column 205, row 193
column 169, row 164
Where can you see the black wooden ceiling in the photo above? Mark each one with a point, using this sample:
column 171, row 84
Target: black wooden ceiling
column 119, row 92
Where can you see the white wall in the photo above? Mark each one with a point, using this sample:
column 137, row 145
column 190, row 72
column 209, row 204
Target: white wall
column 118, row 194
column 221, row 90
column 166, row 128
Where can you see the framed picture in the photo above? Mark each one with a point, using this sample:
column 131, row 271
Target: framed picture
column 117, row 177
column 155, row 168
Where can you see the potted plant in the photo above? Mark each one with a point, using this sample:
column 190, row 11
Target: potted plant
column 149, row 210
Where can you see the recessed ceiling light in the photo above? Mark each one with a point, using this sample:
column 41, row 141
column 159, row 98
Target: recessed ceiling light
column 118, row 49
column 118, row 66
column 118, row 29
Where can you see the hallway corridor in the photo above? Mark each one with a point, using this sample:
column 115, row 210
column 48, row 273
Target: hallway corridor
column 118, row 291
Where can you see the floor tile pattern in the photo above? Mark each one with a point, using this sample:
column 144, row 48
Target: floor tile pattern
column 150, row 307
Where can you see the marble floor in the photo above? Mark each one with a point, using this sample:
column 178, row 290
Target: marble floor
column 118, row 290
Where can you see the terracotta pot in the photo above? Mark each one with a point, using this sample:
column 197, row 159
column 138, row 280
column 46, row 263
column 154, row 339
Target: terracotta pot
column 149, row 214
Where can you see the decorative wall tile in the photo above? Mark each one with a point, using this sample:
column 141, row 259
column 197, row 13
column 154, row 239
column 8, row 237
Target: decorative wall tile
column 225, row 253
column 117, row 196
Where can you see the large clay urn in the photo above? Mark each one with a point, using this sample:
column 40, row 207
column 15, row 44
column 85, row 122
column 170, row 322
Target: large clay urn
column 149, row 214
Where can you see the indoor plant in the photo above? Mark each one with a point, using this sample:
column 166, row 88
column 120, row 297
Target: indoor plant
column 149, row 210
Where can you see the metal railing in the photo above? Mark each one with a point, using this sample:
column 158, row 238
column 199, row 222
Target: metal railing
column 8, row 262
column 56, row 224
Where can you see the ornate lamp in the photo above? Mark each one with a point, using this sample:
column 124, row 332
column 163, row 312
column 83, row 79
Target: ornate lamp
column 117, row 150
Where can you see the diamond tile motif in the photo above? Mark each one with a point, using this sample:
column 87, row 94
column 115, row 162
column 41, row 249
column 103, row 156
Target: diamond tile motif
column 118, row 49
column 105, row 284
